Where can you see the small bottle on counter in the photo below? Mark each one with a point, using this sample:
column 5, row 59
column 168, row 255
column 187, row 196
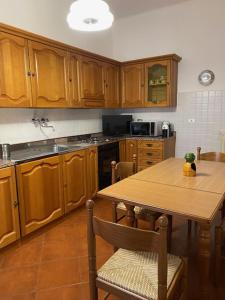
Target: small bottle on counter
column 5, row 151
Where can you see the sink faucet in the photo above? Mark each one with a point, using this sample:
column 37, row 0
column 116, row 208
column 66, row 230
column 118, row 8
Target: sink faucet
column 43, row 122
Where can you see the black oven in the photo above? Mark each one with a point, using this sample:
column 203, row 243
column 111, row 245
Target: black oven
column 106, row 154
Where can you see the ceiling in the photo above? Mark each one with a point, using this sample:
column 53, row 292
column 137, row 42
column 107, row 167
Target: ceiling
column 125, row 8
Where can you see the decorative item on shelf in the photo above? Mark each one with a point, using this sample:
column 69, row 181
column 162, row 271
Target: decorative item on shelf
column 206, row 77
column 189, row 168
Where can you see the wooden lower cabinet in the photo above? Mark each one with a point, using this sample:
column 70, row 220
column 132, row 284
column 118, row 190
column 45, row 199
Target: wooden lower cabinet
column 131, row 149
column 122, row 150
column 40, row 192
column 151, row 152
column 92, row 172
column 9, row 224
column 75, row 179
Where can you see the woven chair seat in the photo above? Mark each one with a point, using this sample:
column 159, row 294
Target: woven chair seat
column 138, row 210
column 137, row 272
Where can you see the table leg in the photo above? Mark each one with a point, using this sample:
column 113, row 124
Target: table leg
column 130, row 215
column 204, row 260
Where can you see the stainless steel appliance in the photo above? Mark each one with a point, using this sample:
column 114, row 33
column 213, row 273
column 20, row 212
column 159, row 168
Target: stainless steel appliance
column 166, row 129
column 150, row 128
column 5, row 151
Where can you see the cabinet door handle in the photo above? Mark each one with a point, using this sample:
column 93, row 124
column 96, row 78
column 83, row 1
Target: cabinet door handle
column 28, row 73
column 15, row 203
column 149, row 145
column 149, row 162
column 33, row 74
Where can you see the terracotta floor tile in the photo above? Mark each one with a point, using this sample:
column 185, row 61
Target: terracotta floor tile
column 25, row 255
column 72, row 292
column 18, row 281
column 58, row 273
column 54, row 249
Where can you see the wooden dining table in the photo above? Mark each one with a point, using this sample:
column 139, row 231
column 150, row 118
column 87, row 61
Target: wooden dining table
column 164, row 188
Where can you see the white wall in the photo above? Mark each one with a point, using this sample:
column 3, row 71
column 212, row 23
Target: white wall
column 194, row 30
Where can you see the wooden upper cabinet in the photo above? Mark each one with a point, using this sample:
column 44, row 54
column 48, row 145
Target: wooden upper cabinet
column 75, row 179
column 15, row 88
column 112, row 95
column 40, row 192
column 74, row 94
column 9, row 224
column 133, row 83
column 91, row 75
column 92, row 172
column 49, row 70
column 158, row 84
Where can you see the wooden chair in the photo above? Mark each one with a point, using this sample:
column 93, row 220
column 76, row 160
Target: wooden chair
column 141, row 268
column 209, row 156
column 121, row 171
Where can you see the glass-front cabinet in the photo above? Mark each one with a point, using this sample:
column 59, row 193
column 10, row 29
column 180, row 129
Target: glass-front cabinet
column 158, row 79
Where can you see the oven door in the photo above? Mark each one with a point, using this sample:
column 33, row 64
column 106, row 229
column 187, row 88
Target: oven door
column 106, row 154
column 140, row 128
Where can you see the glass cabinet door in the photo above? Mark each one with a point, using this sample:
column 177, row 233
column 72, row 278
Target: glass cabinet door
column 158, row 83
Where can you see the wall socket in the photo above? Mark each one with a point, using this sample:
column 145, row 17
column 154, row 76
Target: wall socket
column 191, row 120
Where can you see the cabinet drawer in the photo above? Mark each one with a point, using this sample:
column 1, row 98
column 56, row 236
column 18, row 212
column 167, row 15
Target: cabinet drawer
column 149, row 153
column 148, row 162
column 150, row 144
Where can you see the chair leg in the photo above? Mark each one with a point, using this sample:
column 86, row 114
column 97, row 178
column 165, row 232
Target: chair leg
column 218, row 246
column 169, row 233
column 114, row 212
column 185, row 280
column 189, row 226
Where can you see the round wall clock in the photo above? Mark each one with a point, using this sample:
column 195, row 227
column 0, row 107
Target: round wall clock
column 206, row 77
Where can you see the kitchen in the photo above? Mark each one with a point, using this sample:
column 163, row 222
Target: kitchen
column 198, row 117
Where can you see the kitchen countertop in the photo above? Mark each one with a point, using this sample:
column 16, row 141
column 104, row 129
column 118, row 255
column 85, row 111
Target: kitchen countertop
column 25, row 152
column 5, row 163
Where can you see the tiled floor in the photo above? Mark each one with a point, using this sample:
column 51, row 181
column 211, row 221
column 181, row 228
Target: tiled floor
column 52, row 263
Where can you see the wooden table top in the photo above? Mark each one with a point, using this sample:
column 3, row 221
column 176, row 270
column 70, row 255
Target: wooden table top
column 163, row 188
column 189, row 203
column 210, row 175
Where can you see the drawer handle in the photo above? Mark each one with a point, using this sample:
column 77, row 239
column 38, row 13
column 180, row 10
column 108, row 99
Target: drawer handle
column 149, row 154
column 149, row 162
column 149, row 145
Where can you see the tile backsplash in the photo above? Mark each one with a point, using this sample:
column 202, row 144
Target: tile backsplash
column 16, row 125
column 199, row 120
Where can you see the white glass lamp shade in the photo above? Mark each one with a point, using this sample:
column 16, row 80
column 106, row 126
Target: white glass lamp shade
column 90, row 15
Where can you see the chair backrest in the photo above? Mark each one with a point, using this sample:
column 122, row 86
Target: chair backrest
column 129, row 238
column 210, row 156
column 122, row 170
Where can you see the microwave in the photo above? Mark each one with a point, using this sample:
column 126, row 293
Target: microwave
column 151, row 128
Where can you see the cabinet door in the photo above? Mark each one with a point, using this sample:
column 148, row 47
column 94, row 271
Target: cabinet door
column 74, row 94
column 122, row 148
column 111, row 86
column 74, row 174
column 158, row 84
column 40, row 192
column 133, row 85
column 91, row 82
column 131, row 149
column 49, row 67
column 9, row 225
column 92, row 171
column 15, row 86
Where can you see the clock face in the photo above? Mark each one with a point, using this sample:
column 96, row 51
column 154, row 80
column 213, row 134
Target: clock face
column 206, row 77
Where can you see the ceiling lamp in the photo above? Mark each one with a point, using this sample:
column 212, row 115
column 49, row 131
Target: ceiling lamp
column 90, row 15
